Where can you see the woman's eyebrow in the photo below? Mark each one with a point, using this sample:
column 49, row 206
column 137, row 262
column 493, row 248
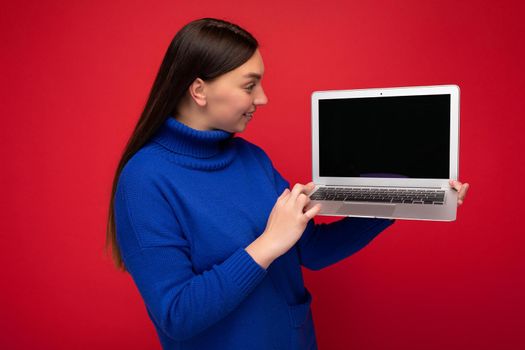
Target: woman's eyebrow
column 253, row 75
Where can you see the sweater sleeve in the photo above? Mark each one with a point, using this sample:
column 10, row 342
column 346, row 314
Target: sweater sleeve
column 157, row 255
column 322, row 245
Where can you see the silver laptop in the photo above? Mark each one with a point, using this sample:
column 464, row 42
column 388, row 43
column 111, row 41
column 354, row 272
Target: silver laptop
column 386, row 152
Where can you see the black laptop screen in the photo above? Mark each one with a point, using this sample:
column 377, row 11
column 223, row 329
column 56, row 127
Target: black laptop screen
column 405, row 137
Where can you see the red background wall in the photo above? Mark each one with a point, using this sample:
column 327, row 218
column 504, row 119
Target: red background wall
column 75, row 76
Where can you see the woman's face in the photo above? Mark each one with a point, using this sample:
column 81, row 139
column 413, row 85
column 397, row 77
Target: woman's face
column 232, row 98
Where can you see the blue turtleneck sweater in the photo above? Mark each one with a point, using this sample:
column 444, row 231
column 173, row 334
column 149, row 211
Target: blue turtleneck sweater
column 187, row 205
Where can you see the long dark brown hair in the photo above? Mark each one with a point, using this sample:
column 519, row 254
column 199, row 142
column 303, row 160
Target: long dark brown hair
column 205, row 48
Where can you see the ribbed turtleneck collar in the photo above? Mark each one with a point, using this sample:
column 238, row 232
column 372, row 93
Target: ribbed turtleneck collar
column 182, row 139
column 208, row 150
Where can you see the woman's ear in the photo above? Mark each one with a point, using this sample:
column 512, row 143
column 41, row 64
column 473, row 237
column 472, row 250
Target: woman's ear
column 197, row 92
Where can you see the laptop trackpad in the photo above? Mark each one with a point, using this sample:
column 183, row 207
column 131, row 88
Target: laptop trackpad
column 368, row 209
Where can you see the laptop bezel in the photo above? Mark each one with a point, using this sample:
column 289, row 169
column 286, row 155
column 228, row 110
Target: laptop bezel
column 454, row 92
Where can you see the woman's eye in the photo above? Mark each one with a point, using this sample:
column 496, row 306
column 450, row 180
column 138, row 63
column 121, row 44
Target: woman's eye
column 250, row 87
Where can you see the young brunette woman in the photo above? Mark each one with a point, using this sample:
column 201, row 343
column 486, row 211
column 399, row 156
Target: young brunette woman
column 205, row 225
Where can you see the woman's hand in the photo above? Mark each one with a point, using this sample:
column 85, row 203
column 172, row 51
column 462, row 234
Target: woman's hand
column 461, row 188
column 286, row 224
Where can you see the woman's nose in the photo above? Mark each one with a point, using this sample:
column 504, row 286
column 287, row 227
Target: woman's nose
column 261, row 98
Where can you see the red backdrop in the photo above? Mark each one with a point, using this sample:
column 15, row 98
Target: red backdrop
column 75, row 76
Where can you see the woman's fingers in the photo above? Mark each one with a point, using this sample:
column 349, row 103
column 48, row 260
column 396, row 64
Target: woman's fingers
column 298, row 189
column 461, row 188
column 302, row 200
column 283, row 198
column 313, row 211
column 463, row 193
column 310, row 186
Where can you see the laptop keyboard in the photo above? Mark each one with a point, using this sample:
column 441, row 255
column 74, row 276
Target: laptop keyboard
column 382, row 195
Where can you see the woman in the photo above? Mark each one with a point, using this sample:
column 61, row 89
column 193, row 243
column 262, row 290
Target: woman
column 203, row 222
